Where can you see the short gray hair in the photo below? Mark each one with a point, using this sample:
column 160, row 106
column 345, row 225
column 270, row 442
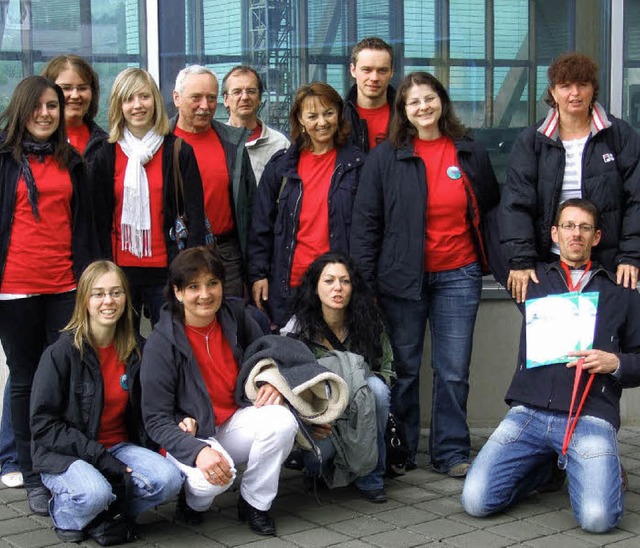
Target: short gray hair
column 187, row 71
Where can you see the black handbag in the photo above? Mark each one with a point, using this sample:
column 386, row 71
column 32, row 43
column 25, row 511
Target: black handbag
column 396, row 444
column 179, row 233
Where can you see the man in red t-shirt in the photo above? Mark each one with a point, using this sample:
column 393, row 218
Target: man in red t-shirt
column 227, row 177
column 242, row 92
column 369, row 103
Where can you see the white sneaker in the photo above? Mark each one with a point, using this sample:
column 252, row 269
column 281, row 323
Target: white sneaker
column 12, row 479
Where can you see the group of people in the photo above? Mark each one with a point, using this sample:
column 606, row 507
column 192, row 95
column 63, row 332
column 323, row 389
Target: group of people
column 380, row 215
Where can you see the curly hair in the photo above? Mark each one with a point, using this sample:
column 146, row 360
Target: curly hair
column 569, row 68
column 402, row 131
column 363, row 320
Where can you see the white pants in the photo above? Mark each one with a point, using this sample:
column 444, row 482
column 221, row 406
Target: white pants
column 262, row 437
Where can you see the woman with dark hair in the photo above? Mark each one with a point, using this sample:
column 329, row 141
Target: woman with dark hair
column 87, row 443
column 417, row 238
column 577, row 151
column 189, row 371
column 137, row 197
column 46, row 240
column 304, row 201
column 334, row 309
column 81, row 88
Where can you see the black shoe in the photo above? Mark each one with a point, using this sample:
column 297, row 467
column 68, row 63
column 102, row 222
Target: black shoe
column 260, row 521
column 38, row 498
column 410, row 465
column 187, row 514
column 294, row 460
column 70, row 535
column 374, row 495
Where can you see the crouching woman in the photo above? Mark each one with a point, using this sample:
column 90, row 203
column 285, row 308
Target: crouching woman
column 86, row 420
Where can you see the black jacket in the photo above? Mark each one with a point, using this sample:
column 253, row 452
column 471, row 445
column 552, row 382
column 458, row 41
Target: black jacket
column 173, row 387
column 242, row 181
column 389, row 215
column 96, row 136
column 610, row 179
column 617, row 331
column 84, row 243
column 67, row 399
column 359, row 135
column 276, row 215
column 102, row 177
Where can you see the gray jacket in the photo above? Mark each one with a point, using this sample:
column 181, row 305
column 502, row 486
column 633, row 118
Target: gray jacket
column 354, row 433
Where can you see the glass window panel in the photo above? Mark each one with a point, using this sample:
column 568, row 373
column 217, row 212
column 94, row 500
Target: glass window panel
column 373, row 19
column 420, row 28
column 510, row 97
column 10, row 75
column 554, row 28
column 467, row 29
column 467, row 91
column 511, row 28
column 222, row 23
column 542, row 83
column 326, row 28
column 632, row 96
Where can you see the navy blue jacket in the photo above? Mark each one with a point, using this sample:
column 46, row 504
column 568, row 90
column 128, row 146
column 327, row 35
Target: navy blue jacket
column 84, row 242
column 359, row 134
column 389, row 215
column 610, row 179
column 276, row 215
column 102, row 175
column 617, row 331
column 172, row 385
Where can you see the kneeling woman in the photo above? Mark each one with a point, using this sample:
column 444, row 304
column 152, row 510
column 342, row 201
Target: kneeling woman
column 189, row 373
column 85, row 414
column 334, row 310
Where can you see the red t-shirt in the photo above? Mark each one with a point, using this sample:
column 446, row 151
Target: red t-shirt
column 377, row 121
column 449, row 243
column 39, row 254
column 153, row 168
column 255, row 133
column 212, row 164
column 78, row 137
column 217, row 365
column 113, row 428
column 312, row 239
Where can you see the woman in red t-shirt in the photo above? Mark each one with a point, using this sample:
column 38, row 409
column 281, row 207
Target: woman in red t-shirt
column 46, row 239
column 135, row 195
column 81, row 88
column 86, row 419
column 417, row 237
column 304, row 201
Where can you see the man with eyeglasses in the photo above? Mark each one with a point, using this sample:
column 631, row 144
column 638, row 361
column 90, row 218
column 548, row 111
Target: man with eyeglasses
column 227, row 177
column 533, row 448
column 369, row 103
column 242, row 93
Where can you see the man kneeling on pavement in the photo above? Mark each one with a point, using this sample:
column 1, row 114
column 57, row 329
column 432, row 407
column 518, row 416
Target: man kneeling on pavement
column 533, row 445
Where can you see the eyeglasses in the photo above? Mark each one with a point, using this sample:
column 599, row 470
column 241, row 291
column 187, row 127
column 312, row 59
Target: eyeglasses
column 417, row 103
column 571, row 226
column 83, row 88
column 251, row 92
column 102, row 295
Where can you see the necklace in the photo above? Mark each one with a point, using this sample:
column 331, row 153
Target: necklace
column 576, row 131
column 205, row 335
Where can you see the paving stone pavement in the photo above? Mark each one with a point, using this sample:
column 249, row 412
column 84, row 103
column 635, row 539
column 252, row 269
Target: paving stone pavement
column 423, row 510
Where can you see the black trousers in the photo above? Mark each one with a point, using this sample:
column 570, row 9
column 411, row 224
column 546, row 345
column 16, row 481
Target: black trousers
column 27, row 327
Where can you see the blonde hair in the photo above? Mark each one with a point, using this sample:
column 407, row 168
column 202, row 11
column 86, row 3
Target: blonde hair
column 126, row 84
column 125, row 340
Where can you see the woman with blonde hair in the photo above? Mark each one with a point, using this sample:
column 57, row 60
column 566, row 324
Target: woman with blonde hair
column 137, row 201
column 86, row 419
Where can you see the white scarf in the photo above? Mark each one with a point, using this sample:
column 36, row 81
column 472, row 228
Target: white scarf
column 135, row 223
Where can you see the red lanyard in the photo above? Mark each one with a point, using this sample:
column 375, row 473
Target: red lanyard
column 572, row 286
column 576, row 384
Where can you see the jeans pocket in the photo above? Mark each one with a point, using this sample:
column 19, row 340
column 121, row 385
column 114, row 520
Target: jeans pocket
column 594, row 437
column 512, row 426
column 472, row 270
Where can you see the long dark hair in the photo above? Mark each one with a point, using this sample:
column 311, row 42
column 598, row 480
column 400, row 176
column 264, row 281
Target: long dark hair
column 402, row 131
column 363, row 320
column 13, row 121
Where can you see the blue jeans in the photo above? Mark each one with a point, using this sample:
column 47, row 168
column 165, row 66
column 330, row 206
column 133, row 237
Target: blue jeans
column 375, row 478
column 8, row 451
column 519, row 456
column 82, row 492
column 450, row 302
